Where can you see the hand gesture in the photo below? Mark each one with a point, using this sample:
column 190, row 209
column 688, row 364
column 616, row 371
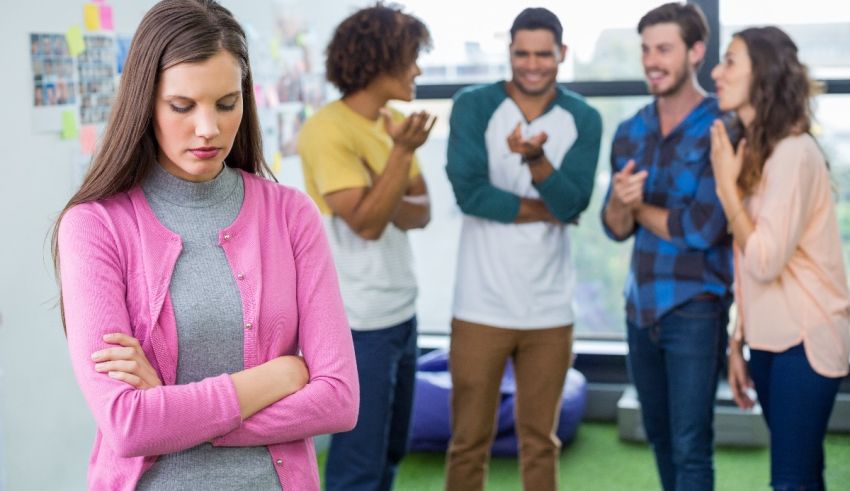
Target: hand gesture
column 627, row 186
column 127, row 362
column 411, row 133
column 531, row 148
column 739, row 379
column 726, row 162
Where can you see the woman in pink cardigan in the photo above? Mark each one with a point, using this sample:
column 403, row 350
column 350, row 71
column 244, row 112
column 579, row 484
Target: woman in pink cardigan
column 200, row 301
column 790, row 284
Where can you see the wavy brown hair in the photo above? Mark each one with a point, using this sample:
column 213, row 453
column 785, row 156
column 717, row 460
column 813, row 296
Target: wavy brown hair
column 373, row 41
column 172, row 32
column 780, row 92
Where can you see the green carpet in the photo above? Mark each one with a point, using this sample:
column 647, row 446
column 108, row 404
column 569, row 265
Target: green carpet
column 598, row 461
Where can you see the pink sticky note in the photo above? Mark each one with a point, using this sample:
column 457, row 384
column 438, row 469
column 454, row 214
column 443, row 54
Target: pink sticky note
column 88, row 138
column 259, row 97
column 106, row 18
column 271, row 96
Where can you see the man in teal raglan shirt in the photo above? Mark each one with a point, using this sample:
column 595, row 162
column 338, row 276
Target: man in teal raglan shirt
column 521, row 158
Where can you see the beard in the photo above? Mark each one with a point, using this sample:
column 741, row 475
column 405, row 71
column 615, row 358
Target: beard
column 681, row 79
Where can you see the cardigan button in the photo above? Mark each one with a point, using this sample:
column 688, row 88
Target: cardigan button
column 226, row 236
column 279, row 462
column 249, row 325
column 240, row 276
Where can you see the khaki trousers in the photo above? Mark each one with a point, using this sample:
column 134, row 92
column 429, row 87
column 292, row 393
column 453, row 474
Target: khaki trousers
column 477, row 357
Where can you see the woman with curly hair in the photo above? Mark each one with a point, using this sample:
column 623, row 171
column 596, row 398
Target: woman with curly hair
column 791, row 289
column 360, row 168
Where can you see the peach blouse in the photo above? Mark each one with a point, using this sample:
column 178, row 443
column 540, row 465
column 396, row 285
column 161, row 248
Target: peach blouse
column 790, row 284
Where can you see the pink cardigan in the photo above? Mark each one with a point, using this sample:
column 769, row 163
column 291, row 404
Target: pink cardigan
column 116, row 262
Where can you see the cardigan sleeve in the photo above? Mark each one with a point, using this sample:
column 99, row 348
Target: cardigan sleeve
column 329, row 403
column 133, row 422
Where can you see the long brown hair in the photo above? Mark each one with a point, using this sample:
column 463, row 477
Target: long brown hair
column 780, row 93
column 172, row 32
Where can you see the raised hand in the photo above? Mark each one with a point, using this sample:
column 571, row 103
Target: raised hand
column 126, row 362
column 726, row 161
column 410, row 133
column 531, row 149
column 627, row 186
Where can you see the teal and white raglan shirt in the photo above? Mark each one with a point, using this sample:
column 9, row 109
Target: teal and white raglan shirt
column 510, row 275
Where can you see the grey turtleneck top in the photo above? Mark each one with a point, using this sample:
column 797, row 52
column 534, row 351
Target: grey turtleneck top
column 208, row 311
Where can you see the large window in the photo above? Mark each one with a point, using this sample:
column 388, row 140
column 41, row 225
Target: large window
column 602, row 46
column 471, row 45
column 471, row 39
column 820, row 28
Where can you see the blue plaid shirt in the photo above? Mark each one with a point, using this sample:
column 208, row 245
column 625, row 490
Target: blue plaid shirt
column 698, row 257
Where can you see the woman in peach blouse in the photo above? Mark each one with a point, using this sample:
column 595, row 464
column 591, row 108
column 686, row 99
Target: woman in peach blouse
column 790, row 284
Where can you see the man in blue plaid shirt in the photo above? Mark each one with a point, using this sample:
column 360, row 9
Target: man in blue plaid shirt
column 678, row 289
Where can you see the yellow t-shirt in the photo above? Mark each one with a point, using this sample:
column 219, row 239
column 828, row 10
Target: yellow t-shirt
column 336, row 143
column 376, row 277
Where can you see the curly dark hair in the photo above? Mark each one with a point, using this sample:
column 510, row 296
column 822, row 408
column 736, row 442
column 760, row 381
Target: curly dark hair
column 373, row 41
column 781, row 94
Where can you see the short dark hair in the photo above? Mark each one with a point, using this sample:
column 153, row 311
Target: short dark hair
column 538, row 18
column 373, row 41
column 688, row 16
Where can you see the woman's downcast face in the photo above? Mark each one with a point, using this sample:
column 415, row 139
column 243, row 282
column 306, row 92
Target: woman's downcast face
column 197, row 113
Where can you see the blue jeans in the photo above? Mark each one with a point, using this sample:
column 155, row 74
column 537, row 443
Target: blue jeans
column 796, row 403
column 674, row 365
column 367, row 457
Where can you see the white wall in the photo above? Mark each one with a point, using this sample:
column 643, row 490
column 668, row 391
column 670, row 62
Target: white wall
column 46, row 430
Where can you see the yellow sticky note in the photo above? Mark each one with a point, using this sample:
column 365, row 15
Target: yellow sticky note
column 88, row 138
column 91, row 16
column 76, row 45
column 69, row 124
column 274, row 49
column 277, row 162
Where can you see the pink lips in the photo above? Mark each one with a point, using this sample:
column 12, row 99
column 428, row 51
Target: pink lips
column 204, row 153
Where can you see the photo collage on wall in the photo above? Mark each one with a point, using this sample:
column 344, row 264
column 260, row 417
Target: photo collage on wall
column 96, row 67
column 299, row 88
column 53, row 70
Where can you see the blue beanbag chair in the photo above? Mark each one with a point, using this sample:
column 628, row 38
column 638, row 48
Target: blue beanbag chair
column 431, row 428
